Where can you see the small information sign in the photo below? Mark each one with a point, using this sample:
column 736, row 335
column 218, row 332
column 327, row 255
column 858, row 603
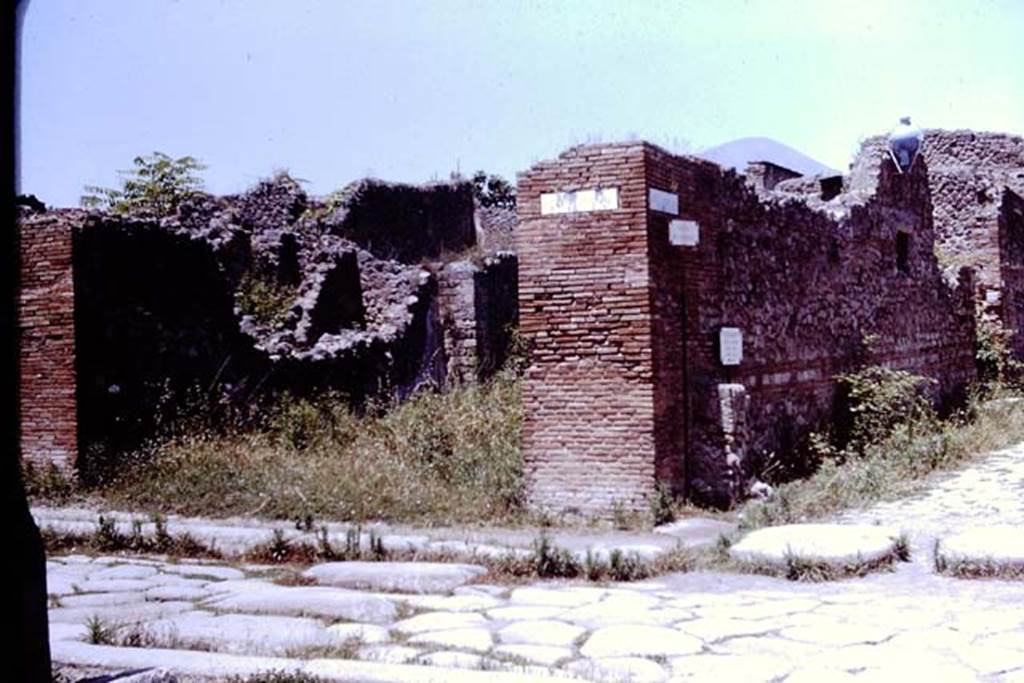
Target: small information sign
column 730, row 345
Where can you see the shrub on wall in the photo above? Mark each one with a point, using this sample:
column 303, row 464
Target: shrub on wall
column 155, row 185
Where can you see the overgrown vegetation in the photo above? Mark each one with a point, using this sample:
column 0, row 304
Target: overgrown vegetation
column 155, row 185
column 896, row 441
column 266, row 300
column 996, row 363
column 437, row 458
column 493, row 190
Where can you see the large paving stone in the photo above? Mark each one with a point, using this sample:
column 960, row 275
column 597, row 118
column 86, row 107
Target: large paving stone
column 175, row 593
column 518, row 613
column 367, row 634
column 101, row 599
column 639, row 641
column 124, row 571
column 696, row 530
column 452, row 660
column 453, row 603
column 211, row 571
column 475, row 639
column 622, row 609
column 119, row 614
column 242, row 633
column 556, row 597
column 319, row 601
column 91, row 585
column 716, row 667
column 547, row 632
column 438, row 621
column 390, row 654
column 204, row 665
column 832, row 544
column 545, row 655
column 996, row 547
column 401, row 577
column 633, row 669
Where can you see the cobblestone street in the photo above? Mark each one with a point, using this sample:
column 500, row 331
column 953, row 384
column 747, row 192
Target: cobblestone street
column 906, row 624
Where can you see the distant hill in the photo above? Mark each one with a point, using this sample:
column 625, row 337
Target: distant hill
column 738, row 153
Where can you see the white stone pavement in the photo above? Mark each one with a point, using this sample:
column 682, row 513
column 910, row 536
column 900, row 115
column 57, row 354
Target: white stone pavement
column 908, row 624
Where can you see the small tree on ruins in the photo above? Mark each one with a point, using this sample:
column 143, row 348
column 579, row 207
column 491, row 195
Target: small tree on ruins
column 156, row 185
column 493, row 190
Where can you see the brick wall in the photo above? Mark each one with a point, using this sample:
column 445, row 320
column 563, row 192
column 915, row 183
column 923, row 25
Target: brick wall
column 625, row 385
column 46, row 327
column 584, row 306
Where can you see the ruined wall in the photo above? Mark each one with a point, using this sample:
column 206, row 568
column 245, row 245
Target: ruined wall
column 626, row 382
column 968, row 171
column 129, row 323
column 405, row 222
column 764, row 175
column 805, row 289
column 1011, row 267
column 584, row 307
column 46, row 327
column 495, row 311
column 155, row 330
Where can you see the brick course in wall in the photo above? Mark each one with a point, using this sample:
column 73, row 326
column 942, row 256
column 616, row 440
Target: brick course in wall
column 626, row 389
column 46, row 327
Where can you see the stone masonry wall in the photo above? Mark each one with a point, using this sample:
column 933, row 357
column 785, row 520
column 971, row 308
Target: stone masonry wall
column 1011, row 267
column 806, row 290
column 129, row 322
column 46, row 327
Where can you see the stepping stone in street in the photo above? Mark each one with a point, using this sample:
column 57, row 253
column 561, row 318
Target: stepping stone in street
column 990, row 551
column 841, row 548
column 319, row 601
column 398, row 577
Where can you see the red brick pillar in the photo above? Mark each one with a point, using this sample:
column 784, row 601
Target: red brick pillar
column 46, row 326
column 585, row 309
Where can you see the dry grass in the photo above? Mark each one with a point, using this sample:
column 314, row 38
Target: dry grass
column 895, row 466
column 436, row 459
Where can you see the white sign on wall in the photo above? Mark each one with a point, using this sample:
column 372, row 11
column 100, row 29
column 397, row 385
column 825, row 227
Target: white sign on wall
column 580, row 201
column 730, row 345
column 665, row 202
column 683, row 233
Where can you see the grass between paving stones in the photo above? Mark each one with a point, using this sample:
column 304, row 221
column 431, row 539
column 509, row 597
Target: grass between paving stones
column 277, row 677
column 436, row 459
column 108, row 539
column 100, row 631
column 893, row 461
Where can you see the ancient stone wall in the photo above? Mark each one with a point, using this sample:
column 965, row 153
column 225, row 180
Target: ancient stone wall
column 1011, row 267
column 46, row 328
column 129, row 323
column 764, row 175
column 806, row 291
column 624, row 306
column 407, row 223
column 968, row 171
column 496, row 311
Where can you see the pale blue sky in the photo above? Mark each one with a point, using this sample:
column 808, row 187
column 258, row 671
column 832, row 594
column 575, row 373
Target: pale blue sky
column 335, row 90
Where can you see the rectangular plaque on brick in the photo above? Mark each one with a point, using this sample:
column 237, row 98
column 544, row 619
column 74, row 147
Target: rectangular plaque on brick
column 730, row 345
column 580, row 201
column 665, row 202
column 683, row 233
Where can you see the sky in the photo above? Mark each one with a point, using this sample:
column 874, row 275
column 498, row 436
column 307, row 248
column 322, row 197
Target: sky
column 409, row 90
